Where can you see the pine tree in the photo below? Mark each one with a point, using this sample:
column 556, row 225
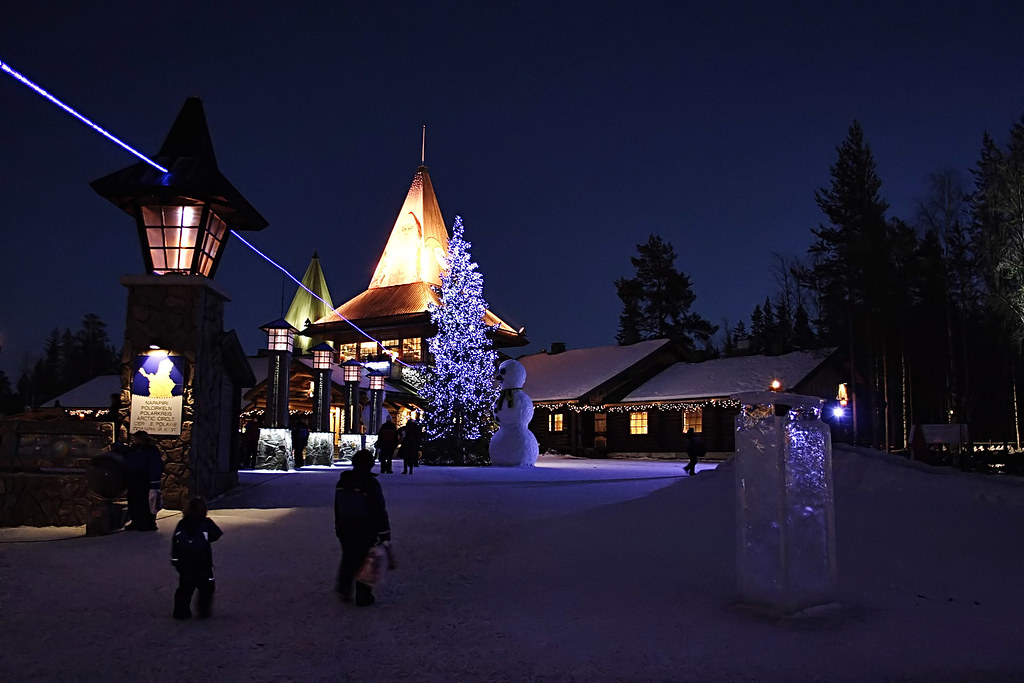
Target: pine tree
column 460, row 387
column 656, row 303
column 851, row 273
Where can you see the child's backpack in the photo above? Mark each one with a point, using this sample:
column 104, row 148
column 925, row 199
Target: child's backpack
column 351, row 505
column 190, row 545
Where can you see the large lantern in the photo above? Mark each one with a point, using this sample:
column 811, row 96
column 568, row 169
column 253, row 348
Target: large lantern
column 185, row 216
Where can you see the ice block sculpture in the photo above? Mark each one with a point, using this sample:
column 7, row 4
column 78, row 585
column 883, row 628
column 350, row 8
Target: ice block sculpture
column 785, row 509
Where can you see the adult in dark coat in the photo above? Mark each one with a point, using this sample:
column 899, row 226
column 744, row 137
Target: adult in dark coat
column 387, row 442
column 695, row 449
column 143, row 467
column 360, row 522
column 411, row 436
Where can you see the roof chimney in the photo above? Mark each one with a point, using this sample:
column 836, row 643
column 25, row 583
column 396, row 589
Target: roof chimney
column 556, row 348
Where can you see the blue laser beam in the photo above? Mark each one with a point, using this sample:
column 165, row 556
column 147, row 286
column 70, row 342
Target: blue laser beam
column 317, row 297
column 7, row 68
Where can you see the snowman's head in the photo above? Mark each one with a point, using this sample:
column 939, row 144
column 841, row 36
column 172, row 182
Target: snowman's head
column 512, row 375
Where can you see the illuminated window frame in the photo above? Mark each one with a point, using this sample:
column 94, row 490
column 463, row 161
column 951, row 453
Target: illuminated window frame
column 556, row 422
column 412, row 349
column 368, row 350
column 600, row 423
column 638, row 423
column 695, row 419
column 347, row 351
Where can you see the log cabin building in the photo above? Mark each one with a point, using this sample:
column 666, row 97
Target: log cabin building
column 640, row 400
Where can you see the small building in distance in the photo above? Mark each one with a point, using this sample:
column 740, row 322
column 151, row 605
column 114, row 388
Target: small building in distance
column 639, row 400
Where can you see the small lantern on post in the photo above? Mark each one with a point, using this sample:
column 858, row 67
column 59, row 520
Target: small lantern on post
column 320, row 446
column 275, row 448
column 376, row 400
column 353, row 372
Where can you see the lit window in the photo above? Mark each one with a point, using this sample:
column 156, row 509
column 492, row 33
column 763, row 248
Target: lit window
column 638, row 423
column 555, row 423
column 367, row 350
column 694, row 419
column 347, row 351
column 600, row 423
column 412, row 350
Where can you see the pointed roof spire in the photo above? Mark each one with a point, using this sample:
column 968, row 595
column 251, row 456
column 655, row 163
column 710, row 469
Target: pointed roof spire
column 190, row 135
column 416, row 250
column 305, row 306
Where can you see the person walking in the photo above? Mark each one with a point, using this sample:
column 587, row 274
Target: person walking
column 192, row 558
column 300, row 437
column 360, row 522
column 694, row 449
column 143, row 467
column 410, row 435
column 387, row 442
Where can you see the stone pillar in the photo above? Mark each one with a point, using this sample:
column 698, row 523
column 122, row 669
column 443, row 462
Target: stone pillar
column 785, row 509
column 184, row 314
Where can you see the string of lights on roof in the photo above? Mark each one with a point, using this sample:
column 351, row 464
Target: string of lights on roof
column 6, row 68
column 685, row 406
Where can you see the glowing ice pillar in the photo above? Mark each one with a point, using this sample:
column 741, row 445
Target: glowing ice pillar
column 785, row 510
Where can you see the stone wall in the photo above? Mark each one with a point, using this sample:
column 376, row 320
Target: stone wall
column 184, row 314
column 45, row 499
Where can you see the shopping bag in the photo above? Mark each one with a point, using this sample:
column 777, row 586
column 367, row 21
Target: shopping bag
column 374, row 566
column 156, row 501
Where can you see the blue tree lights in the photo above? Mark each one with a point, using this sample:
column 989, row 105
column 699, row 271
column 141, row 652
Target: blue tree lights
column 460, row 387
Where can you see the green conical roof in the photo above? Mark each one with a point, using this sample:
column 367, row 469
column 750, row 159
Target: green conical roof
column 305, row 306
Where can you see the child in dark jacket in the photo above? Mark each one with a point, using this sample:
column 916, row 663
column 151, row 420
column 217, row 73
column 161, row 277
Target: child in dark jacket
column 192, row 557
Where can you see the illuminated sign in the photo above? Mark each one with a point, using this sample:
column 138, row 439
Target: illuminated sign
column 158, row 384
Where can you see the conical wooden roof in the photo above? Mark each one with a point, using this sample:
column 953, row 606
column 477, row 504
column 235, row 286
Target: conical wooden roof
column 396, row 300
column 419, row 240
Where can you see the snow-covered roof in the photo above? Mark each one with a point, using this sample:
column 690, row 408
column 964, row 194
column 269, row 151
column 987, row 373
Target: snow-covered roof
column 568, row 375
column 726, row 376
column 95, row 393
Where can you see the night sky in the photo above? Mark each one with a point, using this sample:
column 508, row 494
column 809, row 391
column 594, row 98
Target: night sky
column 563, row 133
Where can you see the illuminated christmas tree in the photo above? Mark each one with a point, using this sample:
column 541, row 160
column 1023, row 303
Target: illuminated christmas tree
column 460, row 387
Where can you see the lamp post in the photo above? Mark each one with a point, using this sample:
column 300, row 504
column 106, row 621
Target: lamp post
column 320, row 447
column 275, row 448
column 376, row 400
column 353, row 372
column 183, row 218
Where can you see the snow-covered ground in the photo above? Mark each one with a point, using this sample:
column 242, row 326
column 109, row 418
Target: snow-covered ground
column 573, row 570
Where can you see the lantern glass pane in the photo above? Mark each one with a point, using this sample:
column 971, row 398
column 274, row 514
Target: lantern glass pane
column 322, row 360
column 352, row 373
column 159, row 260
column 205, row 264
column 188, row 237
column 376, row 382
column 172, row 237
column 191, row 215
column 155, row 237
column 217, row 227
column 172, row 215
column 151, row 216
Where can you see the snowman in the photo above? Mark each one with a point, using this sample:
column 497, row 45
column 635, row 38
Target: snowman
column 513, row 445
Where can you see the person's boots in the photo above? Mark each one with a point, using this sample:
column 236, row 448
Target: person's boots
column 364, row 594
